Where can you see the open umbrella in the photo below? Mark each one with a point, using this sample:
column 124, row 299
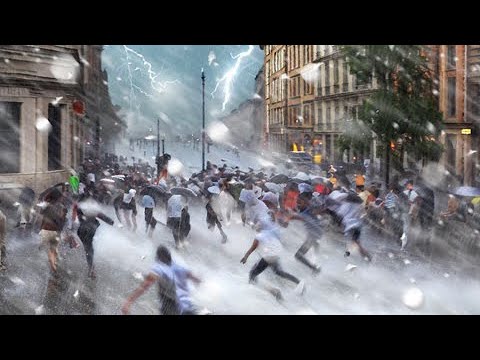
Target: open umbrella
column 279, row 179
column 183, row 191
column 467, row 191
column 275, row 188
column 52, row 193
column 153, row 191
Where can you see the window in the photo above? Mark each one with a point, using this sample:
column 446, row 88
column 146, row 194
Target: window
column 307, row 87
column 337, row 117
column 451, row 57
column 307, row 54
column 327, row 78
column 10, row 137
column 293, row 116
column 328, row 123
column 295, row 86
column 267, row 80
column 319, row 81
column 319, row 115
column 336, row 72
column 345, row 76
column 55, row 138
column 474, row 99
column 451, row 105
column 307, row 120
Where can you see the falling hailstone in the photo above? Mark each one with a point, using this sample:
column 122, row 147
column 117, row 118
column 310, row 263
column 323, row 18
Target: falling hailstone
column 17, row 281
column 6, row 60
column 40, row 310
column 413, row 281
column 143, row 257
column 119, row 78
column 446, row 275
column 413, row 298
column 430, row 127
column 311, row 73
column 406, row 261
column 435, row 92
column 390, row 255
column 218, row 132
column 356, row 296
column 138, row 276
column 350, row 267
column 211, row 58
column 76, row 138
column 43, row 124
column 76, row 294
column 175, row 167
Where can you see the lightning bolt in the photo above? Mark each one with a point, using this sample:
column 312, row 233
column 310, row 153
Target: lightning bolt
column 156, row 85
column 228, row 78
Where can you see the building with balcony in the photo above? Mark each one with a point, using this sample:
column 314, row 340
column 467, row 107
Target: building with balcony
column 457, row 69
column 310, row 98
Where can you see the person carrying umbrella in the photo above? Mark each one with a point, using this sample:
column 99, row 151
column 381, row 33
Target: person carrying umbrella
column 178, row 219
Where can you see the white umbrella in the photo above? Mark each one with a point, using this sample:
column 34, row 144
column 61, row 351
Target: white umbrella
column 214, row 190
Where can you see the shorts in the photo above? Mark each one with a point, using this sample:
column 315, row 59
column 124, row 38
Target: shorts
column 50, row 239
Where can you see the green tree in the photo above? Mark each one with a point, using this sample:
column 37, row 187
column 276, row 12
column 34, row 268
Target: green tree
column 402, row 112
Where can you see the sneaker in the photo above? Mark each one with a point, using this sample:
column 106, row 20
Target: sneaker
column 300, row 289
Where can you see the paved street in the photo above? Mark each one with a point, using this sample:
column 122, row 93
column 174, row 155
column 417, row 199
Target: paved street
column 121, row 258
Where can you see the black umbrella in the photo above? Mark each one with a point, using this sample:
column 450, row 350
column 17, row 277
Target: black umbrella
column 467, row 191
column 279, row 179
column 52, row 193
column 183, row 191
column 153, row 190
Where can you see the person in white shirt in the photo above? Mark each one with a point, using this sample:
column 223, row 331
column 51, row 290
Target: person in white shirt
column 178, row 218
column 267, row 242
column 162, row 274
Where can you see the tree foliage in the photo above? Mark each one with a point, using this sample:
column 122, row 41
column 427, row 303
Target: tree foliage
column 403, row 109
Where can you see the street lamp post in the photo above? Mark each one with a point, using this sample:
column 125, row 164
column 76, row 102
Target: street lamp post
column 203, row 121
column 158, row 147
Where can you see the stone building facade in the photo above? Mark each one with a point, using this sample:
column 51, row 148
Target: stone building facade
column 40, row 82
column 310, row 98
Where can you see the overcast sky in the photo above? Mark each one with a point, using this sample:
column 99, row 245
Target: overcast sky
column 149, row 81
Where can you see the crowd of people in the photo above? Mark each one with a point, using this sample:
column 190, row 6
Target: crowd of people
column 265, row 203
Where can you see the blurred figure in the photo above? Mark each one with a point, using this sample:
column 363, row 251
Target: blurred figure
column 178, row 219
column 212, row 217
column 350, row 212
column 313, row 228
column 53, row 214
column 88, row 212
column 150, row 222
column 3, row 248
column 128, row 207
column 162, row 274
